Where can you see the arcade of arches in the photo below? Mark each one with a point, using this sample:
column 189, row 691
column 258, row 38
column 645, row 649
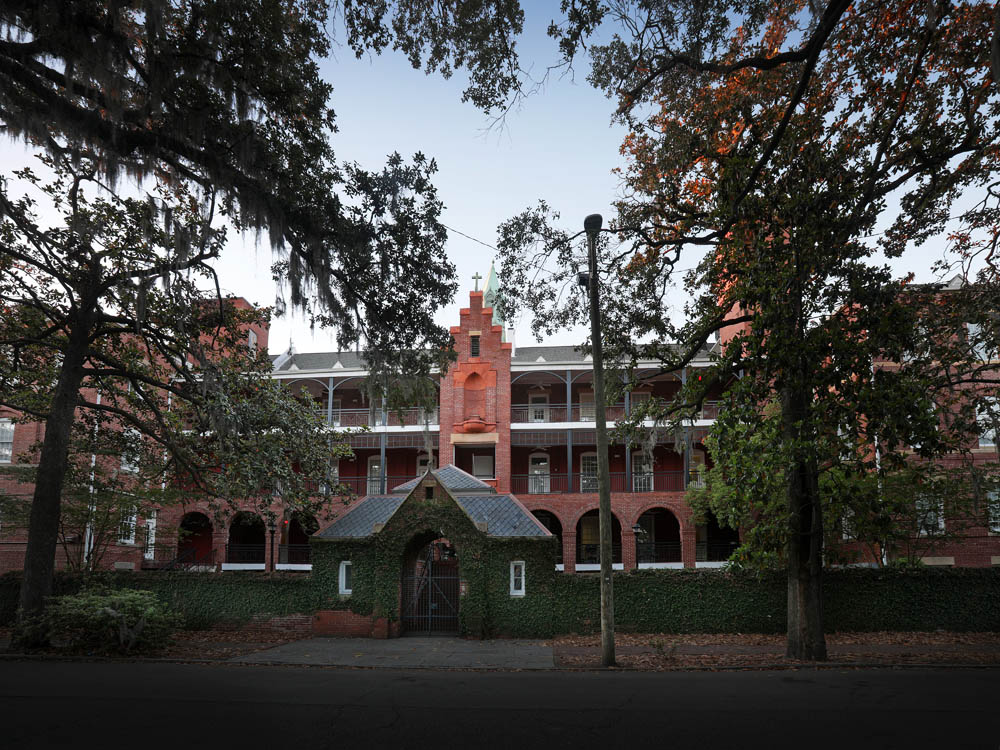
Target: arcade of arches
column 655, row 539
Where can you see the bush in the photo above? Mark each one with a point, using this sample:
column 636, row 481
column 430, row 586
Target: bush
column 109, row 620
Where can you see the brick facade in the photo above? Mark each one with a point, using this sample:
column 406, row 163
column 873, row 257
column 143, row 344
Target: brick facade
column 515, row 406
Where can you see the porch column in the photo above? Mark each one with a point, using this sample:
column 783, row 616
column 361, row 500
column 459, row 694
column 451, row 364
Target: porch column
column 569, row 434
column 381, row 449
column 687, row 439
column 628, row 447
column 689, row 539
column 628, row 549
column 569, row 549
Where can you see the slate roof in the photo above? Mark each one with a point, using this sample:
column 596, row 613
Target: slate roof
column 502, row 514
column 523, row 355
column 452, row 477
column 360, row 521
column 323, row 361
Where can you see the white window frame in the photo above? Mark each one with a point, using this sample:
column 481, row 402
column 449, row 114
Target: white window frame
column 252, row 340
column 374, row 481
column 150, row 552
column 540, row 484
column 6, row 429
column 987, row 433
column 128, row 523
column 130, row 463
column 335, row 413
column 332, row 478
column 993, row 511
column 979, row 350
column 642, row 481
column 925, row 510
column 342, row 578
column 588, row 408
column 493, row 466
column 538, row 407
column 515, row 567
column 428, row 464
column 591, row 478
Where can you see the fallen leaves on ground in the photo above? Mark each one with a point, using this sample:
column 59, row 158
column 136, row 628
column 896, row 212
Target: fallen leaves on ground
column 663, row 651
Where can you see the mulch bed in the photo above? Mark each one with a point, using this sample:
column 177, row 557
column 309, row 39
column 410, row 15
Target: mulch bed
column 667, row 651
column 216, row 645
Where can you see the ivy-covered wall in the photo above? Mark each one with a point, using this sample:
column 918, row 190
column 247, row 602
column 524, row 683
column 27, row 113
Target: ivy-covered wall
column 203, row 599
column 655, row 601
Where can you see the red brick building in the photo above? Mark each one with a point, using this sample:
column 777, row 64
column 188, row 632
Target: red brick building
column 519, row 418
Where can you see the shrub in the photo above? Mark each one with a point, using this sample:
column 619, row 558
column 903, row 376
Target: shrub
column 110, row 620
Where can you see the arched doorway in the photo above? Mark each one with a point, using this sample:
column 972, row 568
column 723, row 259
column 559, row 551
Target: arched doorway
column 294, row 546
column 194, row 540
column 660, row 539
column 588, row 539
column 551, row 522
column 715, row 543
column 430, row 588
column 246, row 539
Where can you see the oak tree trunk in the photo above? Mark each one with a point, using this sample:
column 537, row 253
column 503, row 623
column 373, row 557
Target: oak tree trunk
column 43, row 525
column 805, row 544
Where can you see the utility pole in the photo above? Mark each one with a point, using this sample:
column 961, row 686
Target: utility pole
column 592, row 226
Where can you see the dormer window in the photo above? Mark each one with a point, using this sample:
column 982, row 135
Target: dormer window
column 474, row 346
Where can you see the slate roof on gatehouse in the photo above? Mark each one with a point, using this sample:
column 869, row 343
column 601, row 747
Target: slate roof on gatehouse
column 452, row 477
column 499, row 515
column 360, row 521
column 502, row 514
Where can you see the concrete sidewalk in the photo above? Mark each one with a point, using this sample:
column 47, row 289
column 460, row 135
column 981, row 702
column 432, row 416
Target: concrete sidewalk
column 408, row 652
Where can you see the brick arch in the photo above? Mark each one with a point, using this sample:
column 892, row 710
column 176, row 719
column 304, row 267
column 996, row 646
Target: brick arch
column 576, row 518
column 683, row 519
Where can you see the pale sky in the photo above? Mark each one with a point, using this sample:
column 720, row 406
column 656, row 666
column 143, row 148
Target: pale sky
column 559, row 145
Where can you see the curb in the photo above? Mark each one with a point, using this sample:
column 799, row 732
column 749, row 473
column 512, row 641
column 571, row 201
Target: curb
column 766, row 667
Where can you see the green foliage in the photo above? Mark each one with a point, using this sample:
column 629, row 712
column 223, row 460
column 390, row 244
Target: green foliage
column 898, row 598
column 106, row 620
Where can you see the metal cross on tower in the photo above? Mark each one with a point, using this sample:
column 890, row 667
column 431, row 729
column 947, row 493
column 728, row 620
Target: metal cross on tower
column 477, row 278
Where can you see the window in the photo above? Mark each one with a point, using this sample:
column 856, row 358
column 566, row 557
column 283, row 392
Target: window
column 252, row 340
column 538, row 474
column 424, row 464
column 346, row 577
column 335, row 413
column 930, row 515
column 126, row 527
column 642, row 473
column 482, row 467
column 987, row 426
column 517, row 578
column 588, row 472
column 993, row 510
column 150, row 551
column 130, row 455
column 6, row 441
column 332, row 478
column 538, row 408
column 473, row 346
column 587, row 411
column 979, row 346
column 374, row 475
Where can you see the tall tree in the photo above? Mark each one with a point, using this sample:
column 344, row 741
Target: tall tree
column 105, row 332
column 791, row 142
column 223, row 100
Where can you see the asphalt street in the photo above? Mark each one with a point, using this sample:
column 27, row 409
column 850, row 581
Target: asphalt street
column 150, row 705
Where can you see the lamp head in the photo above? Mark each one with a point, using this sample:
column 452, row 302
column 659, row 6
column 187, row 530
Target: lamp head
column 592, row 225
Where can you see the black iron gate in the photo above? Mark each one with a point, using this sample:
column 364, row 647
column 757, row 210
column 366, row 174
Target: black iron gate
column 430, row 596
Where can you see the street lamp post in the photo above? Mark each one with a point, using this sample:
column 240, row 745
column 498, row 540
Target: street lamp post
column 592, row 226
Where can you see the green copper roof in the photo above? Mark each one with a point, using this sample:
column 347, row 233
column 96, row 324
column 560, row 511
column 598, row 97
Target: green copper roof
column 489, row 298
